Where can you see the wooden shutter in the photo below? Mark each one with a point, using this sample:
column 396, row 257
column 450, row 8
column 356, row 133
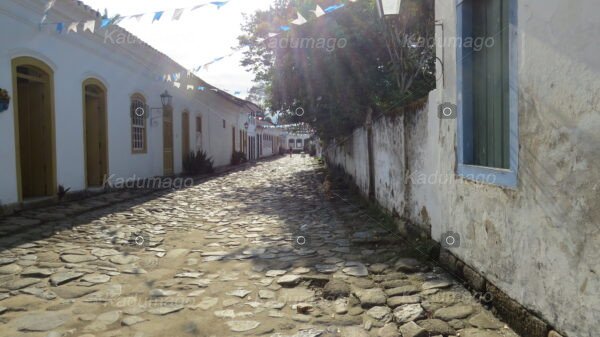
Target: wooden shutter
column 490, row 84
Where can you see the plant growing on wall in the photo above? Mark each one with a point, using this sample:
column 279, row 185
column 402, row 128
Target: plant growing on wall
column 238, row 158
column 367, row 63
column 4, row 100
column 197, row 163
column 62, row 192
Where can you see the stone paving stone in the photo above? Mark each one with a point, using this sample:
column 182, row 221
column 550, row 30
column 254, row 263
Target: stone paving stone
column 411, row 329
column 219, row 258
column 40, row 321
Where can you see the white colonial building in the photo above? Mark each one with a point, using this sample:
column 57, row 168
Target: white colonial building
column 297, row 141
column 82, row 109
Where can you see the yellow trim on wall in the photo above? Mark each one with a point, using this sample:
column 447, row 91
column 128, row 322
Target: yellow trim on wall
column 185, row 129
column 30, row 61
column 97, row 82
column 141, row 98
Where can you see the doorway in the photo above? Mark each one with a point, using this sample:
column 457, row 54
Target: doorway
column 168, row 141
column 95, row 131
column 34, row 128
column 185, row 134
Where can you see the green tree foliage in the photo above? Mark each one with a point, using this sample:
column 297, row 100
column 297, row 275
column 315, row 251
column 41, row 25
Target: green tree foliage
column 338, row 66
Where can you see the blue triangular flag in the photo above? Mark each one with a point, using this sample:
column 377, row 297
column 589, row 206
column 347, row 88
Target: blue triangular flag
column 285, row 28
column 59, row 27
column 105, row 22
column 333, row 8
column 219, row 4
column 157, row 16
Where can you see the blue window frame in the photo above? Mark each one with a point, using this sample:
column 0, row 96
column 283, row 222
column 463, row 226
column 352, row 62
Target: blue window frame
column 469, row 166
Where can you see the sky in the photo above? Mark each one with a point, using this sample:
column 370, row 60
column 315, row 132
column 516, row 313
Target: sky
column 197, row 38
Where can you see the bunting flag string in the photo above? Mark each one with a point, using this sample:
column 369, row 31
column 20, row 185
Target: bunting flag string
column 300, row 20
column 105, row 22
column 90, row 25
column 175, row 78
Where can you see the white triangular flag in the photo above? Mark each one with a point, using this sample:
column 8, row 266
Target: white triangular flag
column 196, row 7
column 49, row 5
column 72, row 27
column 176, row 84
column 300, row 20
column 177, row 14
column 89, row 25
column 138, row 17
column 190, row 87
column 319, row 11
column 273, row 34
column 119, row 19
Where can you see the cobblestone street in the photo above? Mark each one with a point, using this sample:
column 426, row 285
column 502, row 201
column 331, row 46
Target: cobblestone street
column 259, row 251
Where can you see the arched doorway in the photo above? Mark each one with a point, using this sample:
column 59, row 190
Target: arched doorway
column 34, row 128
column 95, row 132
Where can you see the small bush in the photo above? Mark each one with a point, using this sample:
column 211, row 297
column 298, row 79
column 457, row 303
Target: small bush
column 238, row 158
column 197, row 163
column 313, row 150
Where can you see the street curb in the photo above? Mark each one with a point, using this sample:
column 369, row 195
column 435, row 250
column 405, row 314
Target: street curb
column 85, row 196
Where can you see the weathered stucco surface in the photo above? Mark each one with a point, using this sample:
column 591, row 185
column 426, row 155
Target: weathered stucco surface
column 388, row 155
column 351, row 154
column 540, row 242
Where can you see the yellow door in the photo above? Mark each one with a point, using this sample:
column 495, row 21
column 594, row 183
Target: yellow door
column 168, row 141
column 95, row 135
column 185, row 134
column 35, row 130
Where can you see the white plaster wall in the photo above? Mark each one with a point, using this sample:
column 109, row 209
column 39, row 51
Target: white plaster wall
column 389, row 167
column 125, row 70
column 351, row 154
column 268, row 145
column 539, row 242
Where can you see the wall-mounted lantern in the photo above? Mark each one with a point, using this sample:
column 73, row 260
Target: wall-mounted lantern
column 4, row 100
column 388, row 7
column 246, row 125
column 166, row 99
